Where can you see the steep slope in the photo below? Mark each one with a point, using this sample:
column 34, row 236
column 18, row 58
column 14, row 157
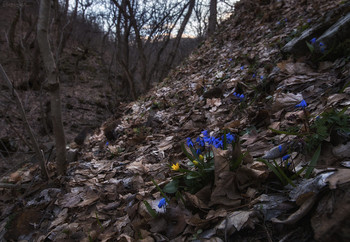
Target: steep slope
column 103, row 195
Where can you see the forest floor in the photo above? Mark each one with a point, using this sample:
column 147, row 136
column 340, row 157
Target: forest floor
column 284, row 178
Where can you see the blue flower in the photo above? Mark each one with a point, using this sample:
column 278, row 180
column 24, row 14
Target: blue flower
column 205, row 133
column 278, row 23
column 162, row 202
column 218, row 143
column 241, row 97
column 230, row 59
column 309, row 20
column 313, row 41
column 254, row 75
column 198, row 151
column 285, row 20
column 209, row 140
column 288, row 165
column 230, row 138
column 286, row 157
column 189, row 142
column 261, row 77
column 107, row 143
column 242, row 67
column 322, row 48
column 235, row 94
column 280, row 148
column 200, row 141
column 302, row 104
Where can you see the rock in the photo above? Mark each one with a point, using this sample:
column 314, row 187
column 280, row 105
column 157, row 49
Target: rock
column 342, row 151
column 72, row 155
column 331, row 30
column 338, row 32
column 297, row 46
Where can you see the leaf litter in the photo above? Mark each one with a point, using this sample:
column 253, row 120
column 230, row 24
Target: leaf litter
column 104, row 195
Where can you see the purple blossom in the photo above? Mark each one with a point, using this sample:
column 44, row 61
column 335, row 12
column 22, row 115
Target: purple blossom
column 242, row 67
column 280, row 148
column 254, row 75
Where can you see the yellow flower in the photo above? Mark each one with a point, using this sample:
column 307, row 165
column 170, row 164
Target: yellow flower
column 201, row 157
column 175, row 167
column 195, row 162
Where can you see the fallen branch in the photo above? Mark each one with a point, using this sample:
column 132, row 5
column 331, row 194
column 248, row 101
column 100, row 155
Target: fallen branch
column 12, row 186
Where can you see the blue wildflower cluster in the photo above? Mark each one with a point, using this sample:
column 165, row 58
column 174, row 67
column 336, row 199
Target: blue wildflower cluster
column 261, row 76
column 321, row 44
column 208, row 140
column 239, row 96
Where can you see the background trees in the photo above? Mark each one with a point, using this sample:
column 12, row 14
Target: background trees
column 128, row 44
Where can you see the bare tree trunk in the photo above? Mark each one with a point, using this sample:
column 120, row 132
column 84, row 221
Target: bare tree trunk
column 33, row 140
column 212, row 17
column 171, row 58
column 53, row 85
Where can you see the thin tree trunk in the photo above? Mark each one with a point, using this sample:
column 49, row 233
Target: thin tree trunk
column 170, row 60
column 212, row 17
column 33, row 140
column 53, row 85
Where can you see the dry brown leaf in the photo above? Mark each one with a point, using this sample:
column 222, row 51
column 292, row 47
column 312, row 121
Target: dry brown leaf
column 194, row 200
column 340, row 177
column 225, row 191
column 61, row 217
column 88, row 198
column 238, row 220
column 69, row 200
column 282, row 100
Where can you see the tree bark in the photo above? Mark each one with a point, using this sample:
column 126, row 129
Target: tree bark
column 53, row 85
column 212, row 17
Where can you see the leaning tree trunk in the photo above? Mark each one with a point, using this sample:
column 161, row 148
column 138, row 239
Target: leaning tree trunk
column 53, row 85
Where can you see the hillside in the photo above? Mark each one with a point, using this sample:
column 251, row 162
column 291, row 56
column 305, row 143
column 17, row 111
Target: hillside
column 295, row 94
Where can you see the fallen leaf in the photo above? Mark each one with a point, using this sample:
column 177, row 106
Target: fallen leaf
column 339, row 177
